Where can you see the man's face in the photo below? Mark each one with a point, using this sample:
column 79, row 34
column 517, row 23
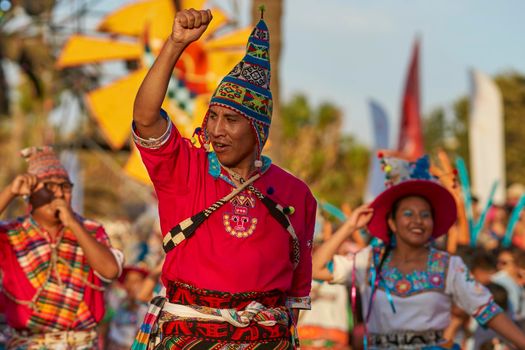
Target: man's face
column 47, row 190
column 133, row 283
column 506, row 262
column 232, row 137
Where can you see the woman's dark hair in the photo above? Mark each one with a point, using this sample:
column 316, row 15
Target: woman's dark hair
column 388, row 249
column 389, row 245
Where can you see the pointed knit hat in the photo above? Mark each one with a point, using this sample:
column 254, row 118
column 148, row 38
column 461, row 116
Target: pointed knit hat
column 246, row 89
column 43, row 162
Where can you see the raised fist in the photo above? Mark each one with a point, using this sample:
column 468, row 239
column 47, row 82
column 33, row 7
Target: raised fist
column 189, row 25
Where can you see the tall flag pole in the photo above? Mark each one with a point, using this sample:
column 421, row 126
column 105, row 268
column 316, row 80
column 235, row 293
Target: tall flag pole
column 410, row 142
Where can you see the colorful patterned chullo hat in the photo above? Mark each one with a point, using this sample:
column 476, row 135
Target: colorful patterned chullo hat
column 405, row 179
column 246, row 89
column 43, row 162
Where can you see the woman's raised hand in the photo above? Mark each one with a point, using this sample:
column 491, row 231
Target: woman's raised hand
column 361, row 216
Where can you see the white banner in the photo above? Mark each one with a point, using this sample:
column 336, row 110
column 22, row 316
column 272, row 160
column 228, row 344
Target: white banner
column 486, row 138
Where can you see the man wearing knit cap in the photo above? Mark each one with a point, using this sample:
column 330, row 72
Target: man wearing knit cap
column 237, row 229
column 55, row 264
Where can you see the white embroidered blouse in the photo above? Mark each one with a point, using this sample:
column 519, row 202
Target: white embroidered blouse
column 422, row 299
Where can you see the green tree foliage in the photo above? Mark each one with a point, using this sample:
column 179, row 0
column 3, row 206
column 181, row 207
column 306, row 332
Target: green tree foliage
column 512, row 86
column 459, row 128
column 313, row 148
column 439, row 131
column 434, row 127
column 448, row 135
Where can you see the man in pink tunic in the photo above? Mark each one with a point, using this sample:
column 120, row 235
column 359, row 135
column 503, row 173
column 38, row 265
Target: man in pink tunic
column 237, row 229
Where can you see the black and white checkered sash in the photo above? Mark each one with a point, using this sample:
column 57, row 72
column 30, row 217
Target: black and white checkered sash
column 187, row 227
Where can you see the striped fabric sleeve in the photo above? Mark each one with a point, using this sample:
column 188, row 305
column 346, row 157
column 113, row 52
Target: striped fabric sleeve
column 486, row 312
column 102, row 237
column 119, row 257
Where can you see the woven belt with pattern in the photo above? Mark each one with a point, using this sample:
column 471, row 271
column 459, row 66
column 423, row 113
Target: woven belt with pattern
column 406, row 340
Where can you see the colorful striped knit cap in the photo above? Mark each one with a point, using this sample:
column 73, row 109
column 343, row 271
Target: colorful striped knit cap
column 43, row 162
column 246, row 89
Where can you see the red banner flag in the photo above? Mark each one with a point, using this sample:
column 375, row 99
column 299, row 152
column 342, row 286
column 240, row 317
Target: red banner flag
column 410, row 131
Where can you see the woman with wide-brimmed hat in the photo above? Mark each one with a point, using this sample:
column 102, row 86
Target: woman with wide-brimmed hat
column 408, row 286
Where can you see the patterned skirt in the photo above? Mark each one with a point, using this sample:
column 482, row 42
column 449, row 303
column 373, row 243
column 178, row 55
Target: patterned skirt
column 408, row 340
column 198, row 334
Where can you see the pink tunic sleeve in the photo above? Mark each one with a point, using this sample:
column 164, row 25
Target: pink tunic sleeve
column 168, row 159
column 302, row 277
column 173, row 165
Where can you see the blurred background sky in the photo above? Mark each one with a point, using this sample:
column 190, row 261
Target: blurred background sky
column 348, row 51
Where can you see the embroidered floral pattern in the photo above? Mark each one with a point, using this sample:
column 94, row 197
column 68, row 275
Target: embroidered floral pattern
column 436, row 280
column 238, row 223
column 404, row 285
column 468, row 276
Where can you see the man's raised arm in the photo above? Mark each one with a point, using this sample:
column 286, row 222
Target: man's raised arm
column 188, row 26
